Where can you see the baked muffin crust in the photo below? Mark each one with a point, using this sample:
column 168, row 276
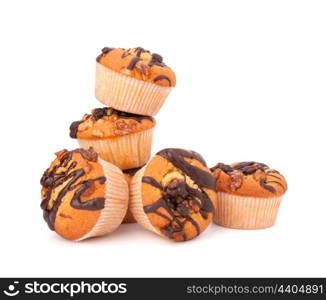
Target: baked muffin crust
column 73, row 192
column 251, row 179
column 107, row 122
column 178, row 194
column 138, row 63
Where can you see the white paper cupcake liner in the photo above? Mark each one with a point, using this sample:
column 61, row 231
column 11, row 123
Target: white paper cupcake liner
column 116, row 202
column 246, row 212
column 136, row 202
column 126, row 152
column 128, row 94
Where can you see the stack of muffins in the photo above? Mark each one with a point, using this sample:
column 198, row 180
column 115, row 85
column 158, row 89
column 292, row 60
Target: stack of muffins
column 111, row 179
column 134, row 84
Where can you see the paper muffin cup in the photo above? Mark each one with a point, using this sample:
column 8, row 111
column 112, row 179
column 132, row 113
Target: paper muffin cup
column 128, row 94
column 136, row 202
column 246, row 212
column 126, row 152
column 116, row 202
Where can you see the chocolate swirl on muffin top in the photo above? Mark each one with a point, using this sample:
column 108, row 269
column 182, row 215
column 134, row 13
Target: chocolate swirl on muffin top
column 143, row 55
column 184, row 194
column 64, row 177
column 140, row 61
column 108, row 114
column 265, row 176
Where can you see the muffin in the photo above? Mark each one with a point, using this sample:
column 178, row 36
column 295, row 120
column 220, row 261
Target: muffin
column 249, row 195
column 129, row 218
column 82, row 195
column 133, row 80
column 174, row 195
column 123, row 139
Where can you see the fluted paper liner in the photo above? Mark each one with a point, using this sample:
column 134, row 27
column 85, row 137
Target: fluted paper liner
column 246, row 212
column 128, row 94
column 136, row 202
column 116, row 202
column 126, row 152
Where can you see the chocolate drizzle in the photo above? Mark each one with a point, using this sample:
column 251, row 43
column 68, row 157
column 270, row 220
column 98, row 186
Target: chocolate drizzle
column 178, row 199
column 132, row 63
column 162, row 77
column 252, row 168
column 55, row 178
column 104, row 51
column 177, row 158
column 99, row 113
column 139, row 51
column 89, row 154
column 138, row 118
column 152, row 182
column 156, row 60
column 92, row 204
column 74, row 128
column 264, row 185
column 145, row 62
column 132, row 171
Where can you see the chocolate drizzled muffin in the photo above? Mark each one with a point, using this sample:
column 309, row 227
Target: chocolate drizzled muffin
column 138, row 63
column 77, row 193
column 121, row 138
column 249, row 194
column 133, row 80
column 174, row 195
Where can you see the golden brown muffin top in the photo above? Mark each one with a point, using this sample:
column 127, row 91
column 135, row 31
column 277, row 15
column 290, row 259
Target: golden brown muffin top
column 138, row 63
column 107, row 122
column 178, row 194
column 73, row 190
column 250, row 179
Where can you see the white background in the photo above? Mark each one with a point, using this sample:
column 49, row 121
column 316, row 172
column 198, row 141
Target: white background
column 250, row 86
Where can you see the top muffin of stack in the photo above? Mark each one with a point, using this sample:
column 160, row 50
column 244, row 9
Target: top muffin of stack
column 133, row 80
